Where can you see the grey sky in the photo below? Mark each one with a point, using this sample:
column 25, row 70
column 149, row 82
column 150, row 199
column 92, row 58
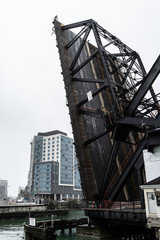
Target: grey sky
column 32, row 97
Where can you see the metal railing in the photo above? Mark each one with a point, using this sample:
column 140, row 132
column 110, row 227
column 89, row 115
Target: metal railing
column 129, row 212
column 117, row 205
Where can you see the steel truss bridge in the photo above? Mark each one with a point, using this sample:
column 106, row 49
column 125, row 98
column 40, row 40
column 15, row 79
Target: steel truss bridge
column 114, row 110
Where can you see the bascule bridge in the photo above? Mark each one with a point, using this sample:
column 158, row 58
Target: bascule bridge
column 113, row 106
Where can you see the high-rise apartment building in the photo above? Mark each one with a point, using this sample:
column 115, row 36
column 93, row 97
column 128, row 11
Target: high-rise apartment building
column 53, row 167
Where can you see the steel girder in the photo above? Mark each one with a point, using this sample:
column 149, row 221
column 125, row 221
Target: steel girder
column 143, row 89
column 125, row 62
column 118, row 84
column 118, row 181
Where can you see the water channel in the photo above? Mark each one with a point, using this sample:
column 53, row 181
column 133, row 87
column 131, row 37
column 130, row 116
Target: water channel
column 13, row 229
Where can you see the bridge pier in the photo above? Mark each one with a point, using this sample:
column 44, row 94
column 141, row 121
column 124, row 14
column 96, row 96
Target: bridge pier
column 28, row 236
column 70, row 229
column 92, row 231
column 46, row 230
column 126, row 233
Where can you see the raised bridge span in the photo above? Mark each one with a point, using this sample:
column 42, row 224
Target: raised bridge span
column 113, row 107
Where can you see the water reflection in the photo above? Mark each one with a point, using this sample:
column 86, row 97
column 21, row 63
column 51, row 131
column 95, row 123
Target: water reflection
column 12, row 230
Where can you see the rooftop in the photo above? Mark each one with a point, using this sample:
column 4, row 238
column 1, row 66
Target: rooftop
column 153, row 182
column 51, row 133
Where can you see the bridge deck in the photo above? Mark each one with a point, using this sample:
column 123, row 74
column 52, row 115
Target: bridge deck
column 118, row 216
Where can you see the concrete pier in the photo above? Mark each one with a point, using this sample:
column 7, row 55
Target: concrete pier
column 92, row 232
column 117, row 231
column 23, row 211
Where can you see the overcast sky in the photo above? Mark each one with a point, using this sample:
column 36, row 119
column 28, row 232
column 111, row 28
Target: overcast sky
column 32, row 96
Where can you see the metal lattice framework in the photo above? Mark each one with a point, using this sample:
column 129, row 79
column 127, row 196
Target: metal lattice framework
column 106, row 81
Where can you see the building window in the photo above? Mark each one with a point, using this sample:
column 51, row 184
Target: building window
column 158, row 200
column 48, row 158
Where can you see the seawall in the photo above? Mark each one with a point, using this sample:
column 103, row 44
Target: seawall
column 22, row 211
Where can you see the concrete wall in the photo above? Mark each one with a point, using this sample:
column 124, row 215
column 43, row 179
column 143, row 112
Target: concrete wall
column 152, row 163
column 22, row 208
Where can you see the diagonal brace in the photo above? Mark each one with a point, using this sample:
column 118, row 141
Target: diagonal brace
column 145, row 86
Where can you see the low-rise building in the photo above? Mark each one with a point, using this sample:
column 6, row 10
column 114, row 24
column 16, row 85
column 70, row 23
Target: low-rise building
column 152, row 204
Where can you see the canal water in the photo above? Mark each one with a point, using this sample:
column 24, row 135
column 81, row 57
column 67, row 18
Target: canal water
column 13, row 229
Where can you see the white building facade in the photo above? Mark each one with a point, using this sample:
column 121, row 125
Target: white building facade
column 152, row 204
column 152, row 163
